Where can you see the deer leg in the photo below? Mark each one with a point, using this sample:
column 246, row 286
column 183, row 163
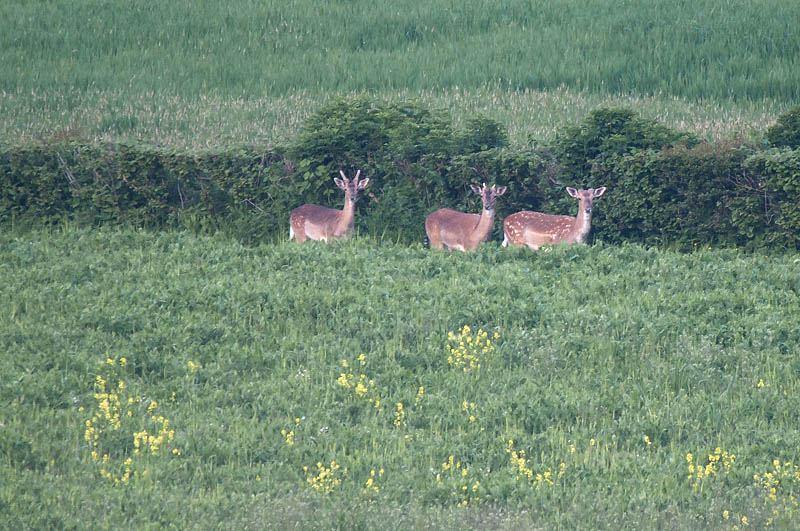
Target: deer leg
column 299, row 231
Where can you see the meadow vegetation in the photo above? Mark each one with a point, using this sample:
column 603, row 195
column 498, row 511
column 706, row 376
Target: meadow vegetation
column 165, row 379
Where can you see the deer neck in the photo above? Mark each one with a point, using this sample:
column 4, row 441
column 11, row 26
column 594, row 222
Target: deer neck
column 582, row 225
column 484, row 227
column 345, row 217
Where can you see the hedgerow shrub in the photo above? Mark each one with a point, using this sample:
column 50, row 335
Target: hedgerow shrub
column 408, row 152
column 766, row 208
column 786, row 131
column 607, row 132
column 681, row 195
column 139, row 185
column 33, row 184
column 678, row 197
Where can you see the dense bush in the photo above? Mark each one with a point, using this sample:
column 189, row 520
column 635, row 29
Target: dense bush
column 141, row 185
column 663, row 188
column 414, row 157
column 607, row 132
column 786, row 131
column 677, row 196
column 33, row 183
column 768, row 198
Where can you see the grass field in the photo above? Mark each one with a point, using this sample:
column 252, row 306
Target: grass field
column 530, row 117
column 158, row 380
column 210, row 73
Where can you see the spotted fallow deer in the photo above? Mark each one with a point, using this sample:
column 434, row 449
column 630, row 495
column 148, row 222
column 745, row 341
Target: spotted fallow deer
column 535, row 229
column 316, row 222
column 453, row 230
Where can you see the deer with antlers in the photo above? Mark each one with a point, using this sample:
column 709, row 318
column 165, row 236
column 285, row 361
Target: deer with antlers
column 453, row 230
column 535, row 229
column 316, row 222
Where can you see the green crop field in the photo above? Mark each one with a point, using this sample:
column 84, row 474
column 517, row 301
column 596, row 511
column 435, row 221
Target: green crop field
column 215, row 73
column 158, row 380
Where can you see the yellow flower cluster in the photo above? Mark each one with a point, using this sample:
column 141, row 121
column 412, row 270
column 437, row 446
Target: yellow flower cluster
column 370, row 487
column 698, row 473
column 326, row 479
column 469, row 409
column 420, row 396
column 125, row 477
column 519, row 465
column 780, row 485
column 465, row 490
column 289, row 435
column 114, row 413
column 108, row 405
column 361, row 387
column 400, row 416
column 143, row 440
column 469, row 351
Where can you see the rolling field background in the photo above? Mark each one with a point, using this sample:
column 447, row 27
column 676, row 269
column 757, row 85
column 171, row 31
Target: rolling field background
column 167, row 379
column 209, row 73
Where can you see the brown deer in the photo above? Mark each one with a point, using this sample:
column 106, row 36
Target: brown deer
column 535, row 229
column 453, row 230
column 322, row 223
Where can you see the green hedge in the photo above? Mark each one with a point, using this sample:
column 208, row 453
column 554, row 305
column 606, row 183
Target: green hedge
column 785, row 132
column 719, row 195
column 143, row 186
column 659, row 192
column 243, row 190
column 767, row 208
column 673, row 197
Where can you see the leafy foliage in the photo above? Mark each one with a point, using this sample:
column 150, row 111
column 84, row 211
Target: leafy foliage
column 607, row 132
column 769, row 197
column 786, row 131
column 678, row 197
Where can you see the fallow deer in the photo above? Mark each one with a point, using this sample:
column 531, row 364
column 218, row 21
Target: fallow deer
column 535, row 229
column 455, row 230
column 322, row 223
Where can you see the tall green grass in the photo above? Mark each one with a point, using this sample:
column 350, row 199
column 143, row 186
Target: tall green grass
column 739, row 49
column 610, row 365
column 214, row 71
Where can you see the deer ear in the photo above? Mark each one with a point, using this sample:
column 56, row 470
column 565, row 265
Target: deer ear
column 501, row 190
column 340, row 183
column 363, row 183
column 475, row 189
column 599, row 191
column 572, row 191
